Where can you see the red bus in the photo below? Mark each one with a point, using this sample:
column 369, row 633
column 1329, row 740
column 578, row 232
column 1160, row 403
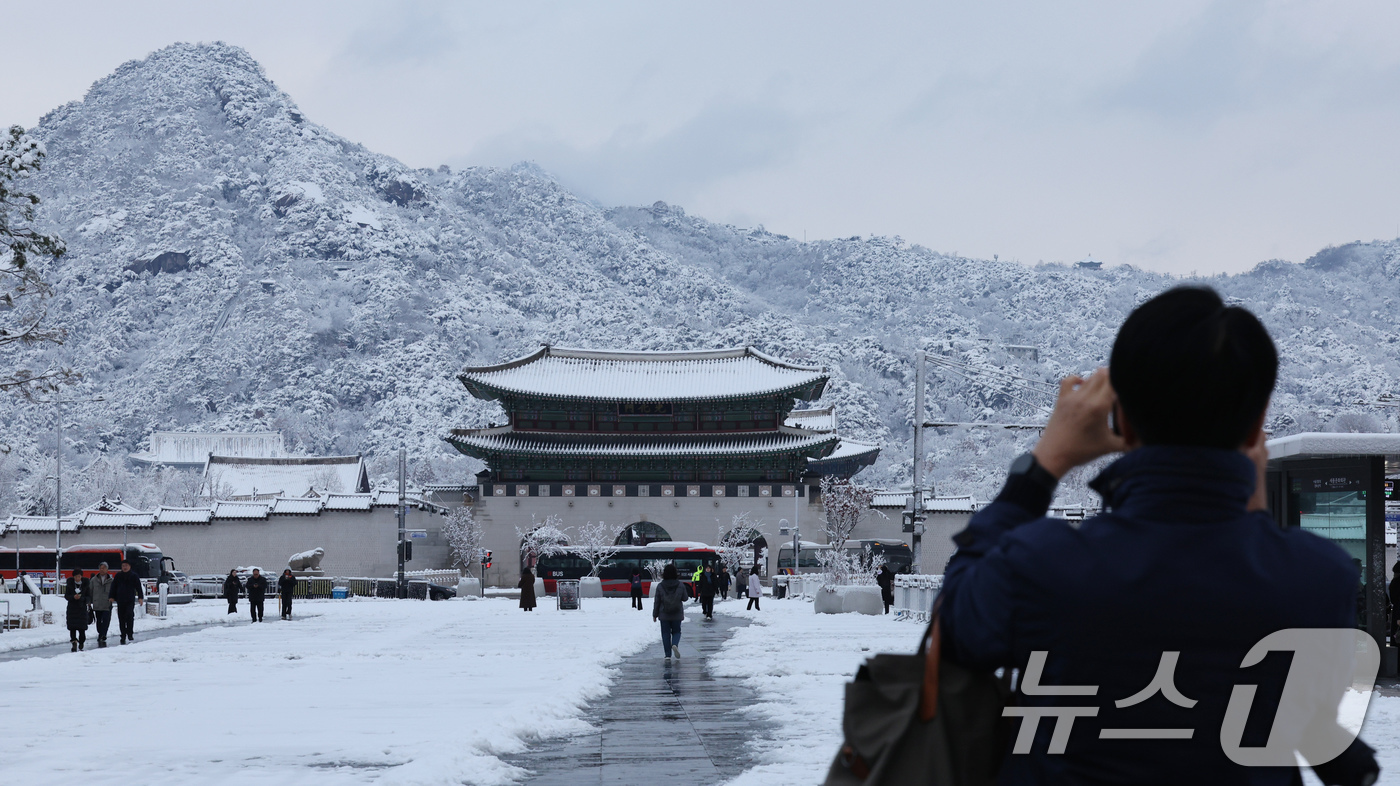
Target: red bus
column 145, row 558
column 616, row 572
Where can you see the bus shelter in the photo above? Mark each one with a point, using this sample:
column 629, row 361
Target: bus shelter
column 1336, row 485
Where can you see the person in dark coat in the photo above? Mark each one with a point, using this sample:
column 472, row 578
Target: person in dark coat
column 637, row 589
column 1185, row 561
column 286, row 583
column 1395, row 604
column 127, row 591
column 723, row 580
column 257, row 591
column 100, row 598
column 527, row 590
column 79, row 605
column 706, row 587
column 668, row 608
column 741, row 583
column 232, row 586
column 885, row 578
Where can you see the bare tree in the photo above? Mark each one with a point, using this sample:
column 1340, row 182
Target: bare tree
column 463, row 533
column 655, row 567
column 735, row 546
column 595, row 544
column 844, row 502
column 543, row 539
column 23, row 291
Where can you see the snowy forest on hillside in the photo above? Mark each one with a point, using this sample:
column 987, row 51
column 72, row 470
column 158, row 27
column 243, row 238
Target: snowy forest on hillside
column 232, row 265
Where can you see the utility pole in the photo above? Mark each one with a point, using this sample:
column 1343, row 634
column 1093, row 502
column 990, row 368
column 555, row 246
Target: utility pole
column 918, row 461
column 403, row 518
column 58, row 495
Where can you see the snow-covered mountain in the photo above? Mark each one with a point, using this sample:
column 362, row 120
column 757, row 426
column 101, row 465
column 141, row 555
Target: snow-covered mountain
column 232, row 265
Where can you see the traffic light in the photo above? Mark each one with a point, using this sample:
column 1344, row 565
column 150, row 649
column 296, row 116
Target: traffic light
column 406, row 549
column 485, row 558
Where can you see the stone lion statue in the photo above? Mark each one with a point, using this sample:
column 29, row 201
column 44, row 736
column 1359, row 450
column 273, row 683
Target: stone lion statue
column 307, row 560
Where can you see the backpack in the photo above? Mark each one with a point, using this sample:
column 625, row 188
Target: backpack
column 672, row 602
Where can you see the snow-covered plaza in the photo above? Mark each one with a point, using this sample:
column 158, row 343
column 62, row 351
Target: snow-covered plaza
column 423, row 693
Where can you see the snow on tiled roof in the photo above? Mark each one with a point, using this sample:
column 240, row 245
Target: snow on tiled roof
column 848, row 448
column 181, row 447
column 932, row 504
column 241, row 510
column 98, row 520
column 296, row 505
column 644, row 376
column 823, row 419
column 233, row 477
column 505, row 440
column 184, row 515
column 348, row 501
column 39, row 524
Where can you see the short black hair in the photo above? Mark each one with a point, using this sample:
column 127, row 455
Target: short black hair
column 1190, row 370
column 669, row 572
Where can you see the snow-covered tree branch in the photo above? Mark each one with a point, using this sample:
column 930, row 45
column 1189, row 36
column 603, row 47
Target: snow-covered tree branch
column 543, row 539
column 23, row 290
column 595, row 544
column 463, row 533
column 844, row 502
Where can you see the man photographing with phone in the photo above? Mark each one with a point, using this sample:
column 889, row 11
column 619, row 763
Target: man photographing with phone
column 1140, row 618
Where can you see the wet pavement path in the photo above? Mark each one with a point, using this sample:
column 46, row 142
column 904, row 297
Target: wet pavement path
column 668, row 722
column 54, row 650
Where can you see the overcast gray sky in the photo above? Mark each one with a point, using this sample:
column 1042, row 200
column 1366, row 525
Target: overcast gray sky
column 1177, row 136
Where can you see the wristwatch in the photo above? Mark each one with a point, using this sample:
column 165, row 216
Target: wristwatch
column 1027, row 467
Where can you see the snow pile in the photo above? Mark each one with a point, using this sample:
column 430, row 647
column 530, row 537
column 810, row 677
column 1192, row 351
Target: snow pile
column 799, row 663
column 362, row 692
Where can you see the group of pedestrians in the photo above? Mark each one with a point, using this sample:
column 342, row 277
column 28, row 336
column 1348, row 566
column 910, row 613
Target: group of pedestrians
column 256, row 588
column 90, row 600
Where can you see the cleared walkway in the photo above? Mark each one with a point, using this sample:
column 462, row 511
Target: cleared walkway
column 54, row 650
column 668, row 722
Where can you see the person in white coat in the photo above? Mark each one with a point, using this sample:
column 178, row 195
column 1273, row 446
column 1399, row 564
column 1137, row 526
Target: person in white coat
column 755, row 590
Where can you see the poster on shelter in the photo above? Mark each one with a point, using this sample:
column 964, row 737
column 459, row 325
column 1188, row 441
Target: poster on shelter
column 566, row 593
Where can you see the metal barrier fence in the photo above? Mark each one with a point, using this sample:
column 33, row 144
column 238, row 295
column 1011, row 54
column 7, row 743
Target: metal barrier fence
column 914, row 595
column 320, row 587
column 802, row 586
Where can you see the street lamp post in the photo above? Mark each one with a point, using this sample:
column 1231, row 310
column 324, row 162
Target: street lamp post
column 58, row 487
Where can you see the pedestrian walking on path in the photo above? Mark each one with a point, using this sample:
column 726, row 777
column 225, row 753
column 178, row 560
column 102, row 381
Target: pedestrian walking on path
column 755, row 590
column 79, row 607
column 257, row 591
column 100, row 597
column 741, row 583
column 286, row 583
column 126, row 591
column 706, row 585
column 637, row 589
column 527, row 590
column 232, row 586
column 668, row 607
column 723, row 579
column 885, row 578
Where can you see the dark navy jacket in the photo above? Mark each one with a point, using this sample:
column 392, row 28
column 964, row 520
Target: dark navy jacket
column 1176, row 564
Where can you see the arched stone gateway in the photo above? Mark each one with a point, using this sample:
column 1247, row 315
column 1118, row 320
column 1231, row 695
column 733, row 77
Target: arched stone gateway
column 641, row 533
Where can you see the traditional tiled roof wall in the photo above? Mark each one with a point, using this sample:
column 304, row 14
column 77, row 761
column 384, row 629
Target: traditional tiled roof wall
column 644, row 376
column 222, row 509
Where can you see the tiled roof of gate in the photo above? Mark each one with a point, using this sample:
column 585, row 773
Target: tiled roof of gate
column 102, row 520
column 184, row 515
column 504, row 439
column 555, row 372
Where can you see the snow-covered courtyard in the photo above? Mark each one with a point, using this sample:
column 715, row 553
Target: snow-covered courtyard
column 418, row 693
